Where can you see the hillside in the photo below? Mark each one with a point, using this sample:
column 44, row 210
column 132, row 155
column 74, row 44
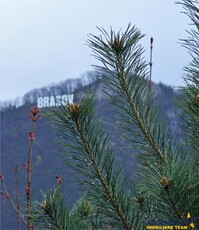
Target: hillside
column 48, row 160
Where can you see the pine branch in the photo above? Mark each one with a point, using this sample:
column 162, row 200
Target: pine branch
column 102, row 179
column 127, row 80
column 87, row 151
column 121, row 57
column 53, row 213
column 168, row 185
column 188, row 98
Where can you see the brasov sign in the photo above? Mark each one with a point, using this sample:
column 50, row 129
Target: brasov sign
column 53, row 101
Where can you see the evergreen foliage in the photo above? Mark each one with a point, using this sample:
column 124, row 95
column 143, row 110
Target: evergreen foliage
column 54, row 214
column 87, row 151
column 189, row 95
column 166, row 185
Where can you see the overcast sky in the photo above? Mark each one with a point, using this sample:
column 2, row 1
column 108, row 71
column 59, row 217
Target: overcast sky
column 43, row 42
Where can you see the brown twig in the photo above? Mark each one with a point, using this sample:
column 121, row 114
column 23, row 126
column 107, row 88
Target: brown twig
column 7, row 196
column 28, row 188
column 17, row 197
column 34, row 116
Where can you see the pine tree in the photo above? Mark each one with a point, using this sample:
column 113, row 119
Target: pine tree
column 166, row 185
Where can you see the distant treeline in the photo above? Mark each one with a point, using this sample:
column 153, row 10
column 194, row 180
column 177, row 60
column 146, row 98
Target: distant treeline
column 68, row 86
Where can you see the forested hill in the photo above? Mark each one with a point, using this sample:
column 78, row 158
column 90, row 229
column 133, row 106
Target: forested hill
column 47, row 159
column 64, row 87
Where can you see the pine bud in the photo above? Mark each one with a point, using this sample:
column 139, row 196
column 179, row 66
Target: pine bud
column 190, row 187
column 151, row 41
column 45, row 205
column 117, row 44
column 74, row 108
column 148, row 153
column 165, row 181
column 88, row 206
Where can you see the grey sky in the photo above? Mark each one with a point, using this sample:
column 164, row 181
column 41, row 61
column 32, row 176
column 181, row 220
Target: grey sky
column 43, row 41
